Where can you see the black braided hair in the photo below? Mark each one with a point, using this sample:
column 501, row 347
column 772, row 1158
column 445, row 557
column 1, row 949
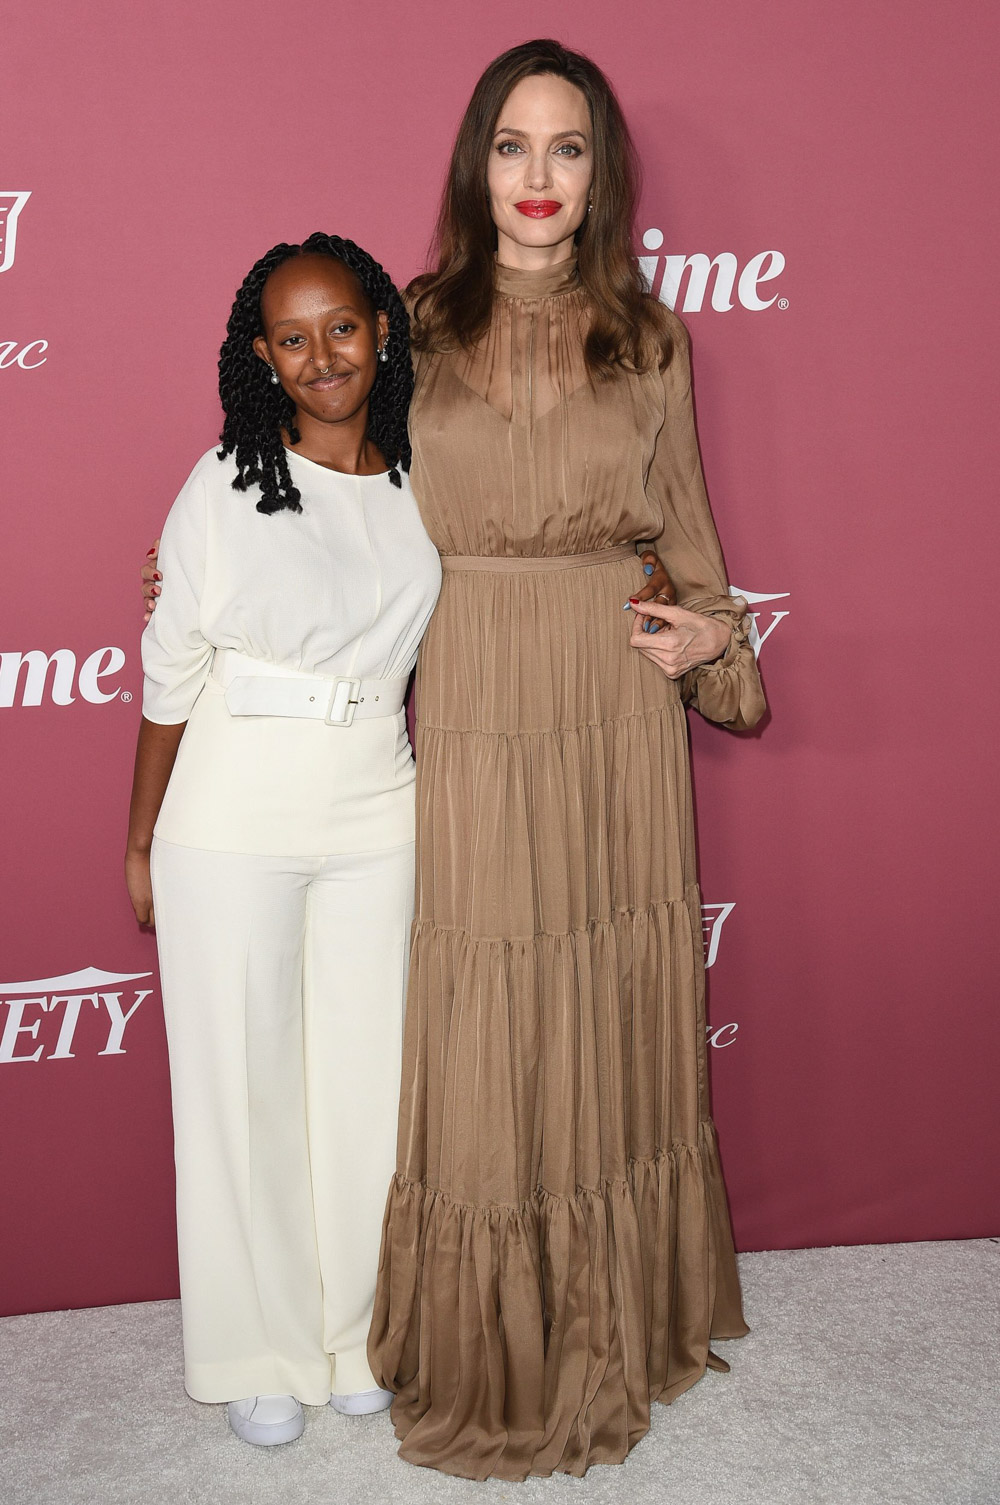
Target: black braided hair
column 257, row 410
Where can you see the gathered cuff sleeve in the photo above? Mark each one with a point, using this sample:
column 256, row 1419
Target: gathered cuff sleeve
column 176, row 657
column 728, row 690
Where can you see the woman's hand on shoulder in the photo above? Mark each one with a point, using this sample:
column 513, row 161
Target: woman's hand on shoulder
column 674, row 639
column 151, row 577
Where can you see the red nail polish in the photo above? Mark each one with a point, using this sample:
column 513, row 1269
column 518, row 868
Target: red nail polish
column 633, row 598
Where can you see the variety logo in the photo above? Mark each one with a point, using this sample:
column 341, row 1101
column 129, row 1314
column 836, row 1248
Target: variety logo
column 713, row 917
column 721, row 1035
column 27, row 678
column 30, row 354
column 62, row 1000
column 26, row 356
column 757, row 638
column 668, row 277
column 11, row 204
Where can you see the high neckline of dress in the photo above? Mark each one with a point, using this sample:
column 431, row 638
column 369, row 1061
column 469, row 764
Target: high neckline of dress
column 549, row 282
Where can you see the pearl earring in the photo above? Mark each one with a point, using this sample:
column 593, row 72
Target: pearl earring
column 383, row 354
column 274, row 375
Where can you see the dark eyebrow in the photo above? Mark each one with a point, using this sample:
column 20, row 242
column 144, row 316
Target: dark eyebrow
column 344, row 308
column 509, row 130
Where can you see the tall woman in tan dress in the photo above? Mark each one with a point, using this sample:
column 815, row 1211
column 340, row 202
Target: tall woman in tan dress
column 557, row 1250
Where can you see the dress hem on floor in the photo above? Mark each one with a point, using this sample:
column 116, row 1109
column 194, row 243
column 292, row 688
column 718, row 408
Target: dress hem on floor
column 527, row 1339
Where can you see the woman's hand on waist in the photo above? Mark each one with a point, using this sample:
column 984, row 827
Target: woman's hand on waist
column 150, row 580
column 658, row 583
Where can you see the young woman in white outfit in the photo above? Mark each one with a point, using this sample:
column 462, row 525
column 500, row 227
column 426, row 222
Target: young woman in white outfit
column 272, row 828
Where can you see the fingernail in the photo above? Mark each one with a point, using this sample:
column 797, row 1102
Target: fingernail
column 654, row 627
column 150, row 553
column 633, row 599
column 647, row 569
column 627, row 606
column 157, row 575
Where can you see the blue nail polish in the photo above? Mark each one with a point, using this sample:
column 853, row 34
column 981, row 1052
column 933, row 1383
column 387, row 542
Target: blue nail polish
column 647, row 569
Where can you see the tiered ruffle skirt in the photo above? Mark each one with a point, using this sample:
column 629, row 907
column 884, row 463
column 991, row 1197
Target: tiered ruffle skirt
column 557, row 1250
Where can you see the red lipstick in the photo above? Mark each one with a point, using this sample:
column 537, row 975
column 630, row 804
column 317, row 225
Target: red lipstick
column 538, row 208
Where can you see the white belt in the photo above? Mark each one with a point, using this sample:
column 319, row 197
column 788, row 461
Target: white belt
column 256, row 688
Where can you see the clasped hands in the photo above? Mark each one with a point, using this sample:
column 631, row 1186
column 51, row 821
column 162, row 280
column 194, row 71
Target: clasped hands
column 672, row 638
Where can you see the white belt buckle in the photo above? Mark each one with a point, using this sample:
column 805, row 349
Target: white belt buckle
column 343, row 702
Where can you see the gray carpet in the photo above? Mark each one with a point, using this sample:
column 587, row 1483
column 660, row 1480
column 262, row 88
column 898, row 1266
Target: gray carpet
column 871, row 1378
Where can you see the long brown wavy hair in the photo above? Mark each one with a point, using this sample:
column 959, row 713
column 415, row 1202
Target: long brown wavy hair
column 628, row 329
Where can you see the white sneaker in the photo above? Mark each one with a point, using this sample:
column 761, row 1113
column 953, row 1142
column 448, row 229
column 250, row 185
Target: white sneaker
column 362, row 1402
column 266, row 1419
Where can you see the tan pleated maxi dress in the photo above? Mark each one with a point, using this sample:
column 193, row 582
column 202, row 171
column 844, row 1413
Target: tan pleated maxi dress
column 556, row 1250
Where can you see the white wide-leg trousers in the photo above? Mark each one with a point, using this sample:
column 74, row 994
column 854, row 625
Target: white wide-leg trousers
column 283, row 981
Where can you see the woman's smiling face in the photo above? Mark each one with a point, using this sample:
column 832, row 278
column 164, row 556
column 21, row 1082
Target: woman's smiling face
column 539, row 172
column 321, row 336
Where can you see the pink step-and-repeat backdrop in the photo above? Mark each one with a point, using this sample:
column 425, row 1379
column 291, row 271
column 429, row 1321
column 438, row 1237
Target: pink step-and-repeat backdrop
column 820, row 205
